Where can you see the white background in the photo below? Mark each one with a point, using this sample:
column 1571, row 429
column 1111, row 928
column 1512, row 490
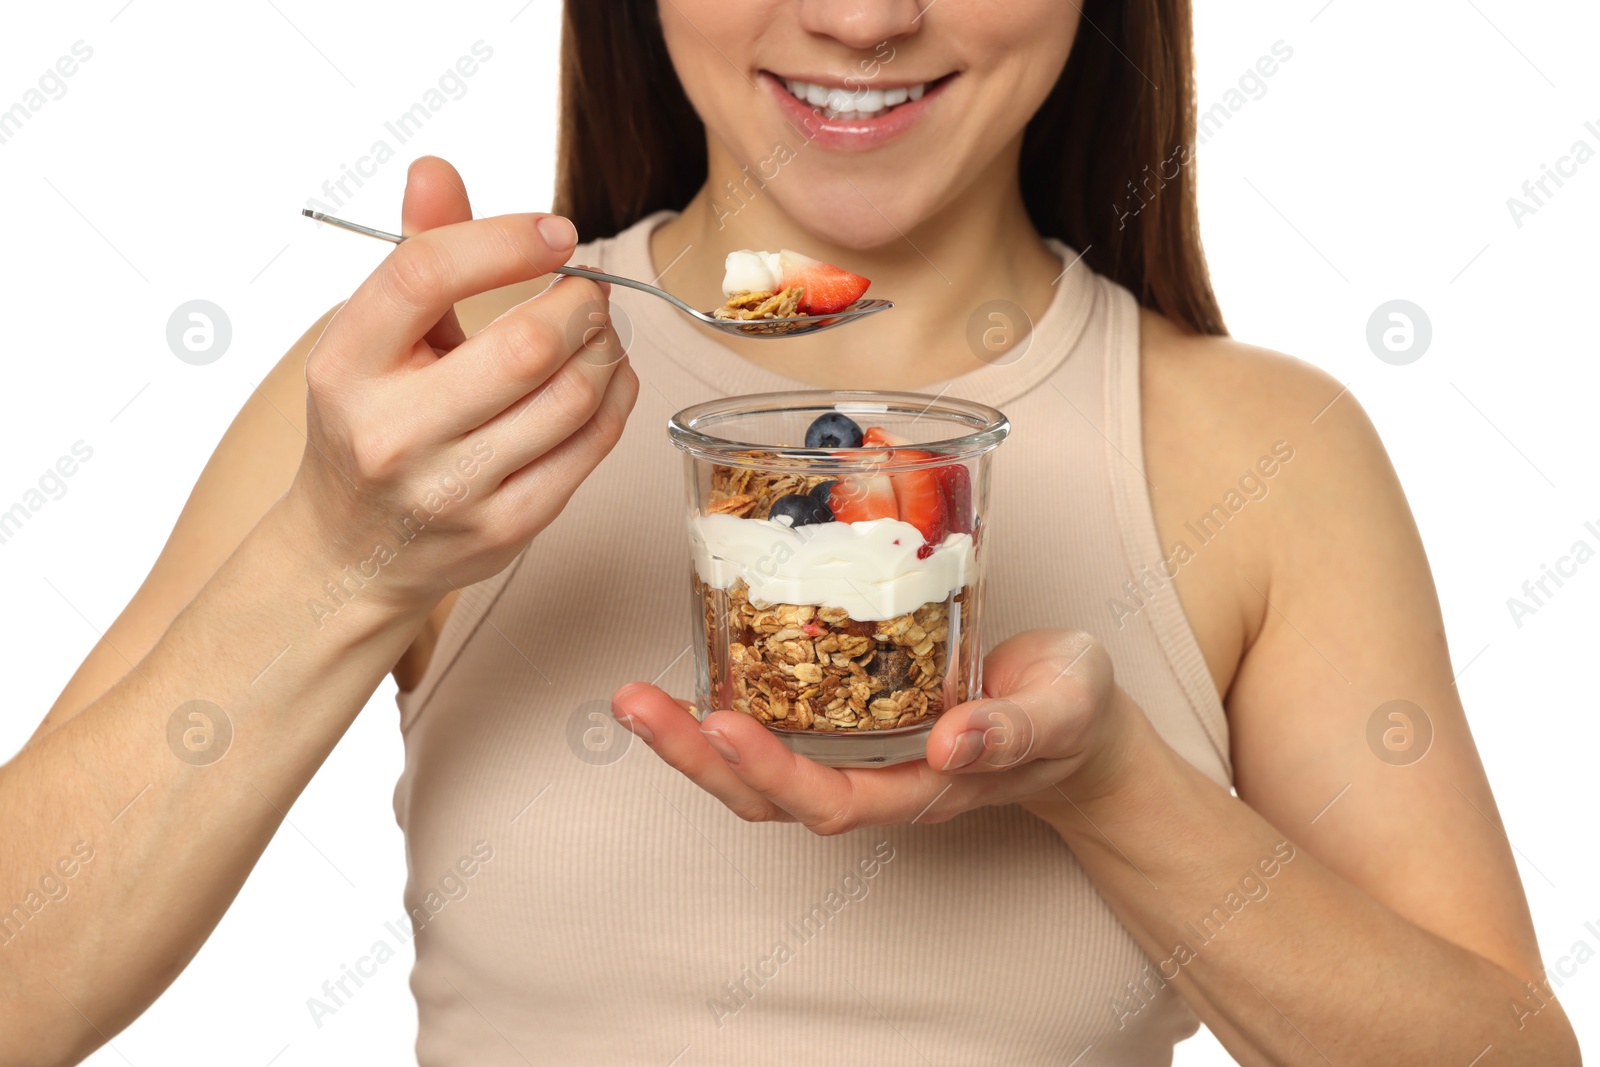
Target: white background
column 1376, row 166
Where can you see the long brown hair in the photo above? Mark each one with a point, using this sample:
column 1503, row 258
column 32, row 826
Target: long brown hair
column 1107, row 161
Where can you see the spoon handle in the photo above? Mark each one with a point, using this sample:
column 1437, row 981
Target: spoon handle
column 577, row 272
column 643, row 287
column 353, row 227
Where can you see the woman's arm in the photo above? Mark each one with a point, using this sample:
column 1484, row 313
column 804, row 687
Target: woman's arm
column 1346, row 908
column 162, row 813
column 1288, row 959
column 1398, row 931
column 267, row 608
column 250, row 468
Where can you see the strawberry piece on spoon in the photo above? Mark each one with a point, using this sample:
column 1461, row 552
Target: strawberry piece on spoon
column 827, row 288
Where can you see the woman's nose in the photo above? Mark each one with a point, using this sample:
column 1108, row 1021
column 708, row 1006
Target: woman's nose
column 861, row 23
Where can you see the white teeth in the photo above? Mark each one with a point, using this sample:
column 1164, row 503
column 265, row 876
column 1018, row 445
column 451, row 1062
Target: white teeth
column 846, row 105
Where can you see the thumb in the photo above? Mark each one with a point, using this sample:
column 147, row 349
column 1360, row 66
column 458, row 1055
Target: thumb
column 1043, row 691
column 435, row 196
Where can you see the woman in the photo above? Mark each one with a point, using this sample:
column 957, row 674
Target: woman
column 1069, row 878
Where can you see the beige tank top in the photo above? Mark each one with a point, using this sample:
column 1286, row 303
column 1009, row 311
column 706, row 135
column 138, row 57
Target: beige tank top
column 574, row 900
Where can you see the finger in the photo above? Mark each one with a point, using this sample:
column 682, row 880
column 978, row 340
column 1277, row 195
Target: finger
column 435, row 196
column 992, row 735
column 1049, row 686
column 378, row 327
column 674, row 735
column 1045, row 658
column 514, row 355
column 830, row 800
column 1007, row 662
column 549, row 415
column 529, row 498
column 593, row 317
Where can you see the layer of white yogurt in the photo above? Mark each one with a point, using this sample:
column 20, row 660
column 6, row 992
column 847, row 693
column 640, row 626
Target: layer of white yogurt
column 869, row 569
column 745, row 271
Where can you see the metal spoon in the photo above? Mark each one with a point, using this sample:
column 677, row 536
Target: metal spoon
column 799, row 326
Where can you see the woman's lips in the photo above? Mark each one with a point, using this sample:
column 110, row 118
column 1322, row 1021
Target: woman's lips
column 858, row 134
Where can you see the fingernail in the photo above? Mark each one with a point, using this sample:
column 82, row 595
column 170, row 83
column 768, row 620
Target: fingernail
column 637, row 728
column 968, row 747
column 723, row 746
column 558, row 232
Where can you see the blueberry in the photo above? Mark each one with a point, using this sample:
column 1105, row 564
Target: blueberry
column 833, row 430
column 801, row 509
column 821, row 492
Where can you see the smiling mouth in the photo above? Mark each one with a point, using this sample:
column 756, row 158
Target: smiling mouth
column 858, row 104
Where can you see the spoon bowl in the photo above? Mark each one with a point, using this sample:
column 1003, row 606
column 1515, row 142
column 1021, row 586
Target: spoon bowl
column 797, row 326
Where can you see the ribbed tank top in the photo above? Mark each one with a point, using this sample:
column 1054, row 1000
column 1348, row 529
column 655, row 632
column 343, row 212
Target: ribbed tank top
column 623, row 916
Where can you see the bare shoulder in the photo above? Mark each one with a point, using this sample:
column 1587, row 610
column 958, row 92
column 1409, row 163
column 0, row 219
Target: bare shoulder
column 1225, row 386
column 1213, row 406
column 1254, row 459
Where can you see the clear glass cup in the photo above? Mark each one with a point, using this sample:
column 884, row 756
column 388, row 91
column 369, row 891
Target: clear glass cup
column 837, row 590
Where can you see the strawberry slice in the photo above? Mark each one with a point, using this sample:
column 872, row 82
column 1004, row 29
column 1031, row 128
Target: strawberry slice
column 862, row 497
column 827, row 288
column 877, row 435
column 957, row 485
column 921, row 500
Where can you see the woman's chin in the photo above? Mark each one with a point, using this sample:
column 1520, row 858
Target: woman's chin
column 856, row 216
